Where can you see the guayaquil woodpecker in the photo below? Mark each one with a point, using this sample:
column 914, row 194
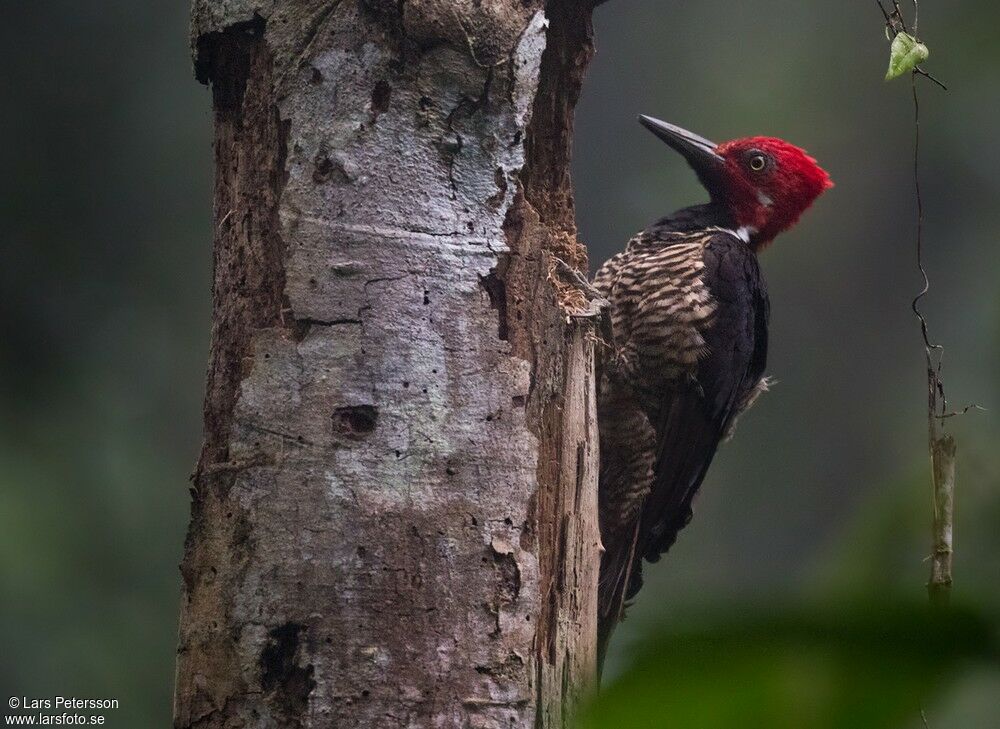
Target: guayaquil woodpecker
column 689, row 315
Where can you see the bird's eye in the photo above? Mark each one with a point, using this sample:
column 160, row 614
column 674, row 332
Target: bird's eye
column 757, row 162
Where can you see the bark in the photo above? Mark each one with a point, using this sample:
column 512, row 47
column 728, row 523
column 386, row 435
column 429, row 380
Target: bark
column 394, row 515
column 942, row 448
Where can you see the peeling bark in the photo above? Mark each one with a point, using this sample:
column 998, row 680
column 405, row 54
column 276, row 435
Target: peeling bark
column 394, row 512
column 942, row 447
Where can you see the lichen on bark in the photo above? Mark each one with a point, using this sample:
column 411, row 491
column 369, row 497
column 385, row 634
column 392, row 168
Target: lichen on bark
column 394, row 513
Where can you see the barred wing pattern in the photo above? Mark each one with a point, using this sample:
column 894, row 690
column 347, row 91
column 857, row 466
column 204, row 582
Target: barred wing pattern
column 689, row 319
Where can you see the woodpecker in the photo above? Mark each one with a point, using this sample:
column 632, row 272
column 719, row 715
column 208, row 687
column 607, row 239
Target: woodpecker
column 689, row 315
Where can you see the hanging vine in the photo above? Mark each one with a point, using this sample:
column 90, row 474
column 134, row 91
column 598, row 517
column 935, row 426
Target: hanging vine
column 907, row 52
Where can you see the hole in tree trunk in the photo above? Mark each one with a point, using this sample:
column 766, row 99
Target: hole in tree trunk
column 354, row 421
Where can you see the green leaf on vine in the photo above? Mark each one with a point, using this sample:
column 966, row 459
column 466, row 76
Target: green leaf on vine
column 905, row 55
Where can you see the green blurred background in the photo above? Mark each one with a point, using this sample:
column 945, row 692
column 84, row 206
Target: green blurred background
column 822, row 498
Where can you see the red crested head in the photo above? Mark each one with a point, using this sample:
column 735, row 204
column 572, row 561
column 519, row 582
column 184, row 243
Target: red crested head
column 770, row 184
column 763, row 183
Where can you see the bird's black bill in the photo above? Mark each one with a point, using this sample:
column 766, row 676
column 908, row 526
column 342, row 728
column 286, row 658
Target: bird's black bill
column 699, row 152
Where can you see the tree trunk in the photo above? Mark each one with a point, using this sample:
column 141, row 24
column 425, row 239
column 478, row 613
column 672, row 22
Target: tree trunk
column 394, row 512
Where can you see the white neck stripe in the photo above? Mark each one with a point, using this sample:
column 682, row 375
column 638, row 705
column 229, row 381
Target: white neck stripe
column 743, row 232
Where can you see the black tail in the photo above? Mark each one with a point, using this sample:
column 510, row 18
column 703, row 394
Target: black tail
column 620, row 569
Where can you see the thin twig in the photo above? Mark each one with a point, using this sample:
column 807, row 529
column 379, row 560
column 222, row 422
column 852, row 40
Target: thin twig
column 898, row 13
column 915, row 304
column 963, row 411
column 928, row 76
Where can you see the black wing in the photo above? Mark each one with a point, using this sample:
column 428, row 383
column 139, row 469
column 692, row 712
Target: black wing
column 694, row 415
column 689, row 322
